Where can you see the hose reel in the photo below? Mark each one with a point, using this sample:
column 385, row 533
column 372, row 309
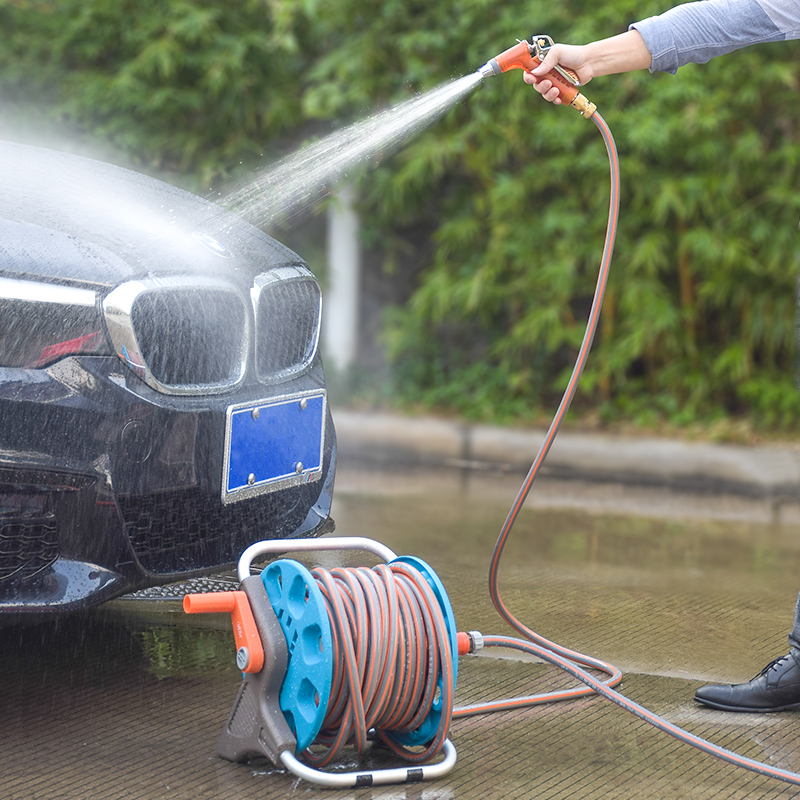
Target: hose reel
column 335, row 652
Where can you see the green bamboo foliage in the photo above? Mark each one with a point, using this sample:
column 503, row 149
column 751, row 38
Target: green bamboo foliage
column 505, row 199
column 700, row 318
column 190, row 88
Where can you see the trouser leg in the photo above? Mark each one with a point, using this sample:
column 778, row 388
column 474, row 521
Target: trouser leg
column 794, row 636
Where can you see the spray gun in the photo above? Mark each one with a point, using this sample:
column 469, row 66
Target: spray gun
column 528, row 56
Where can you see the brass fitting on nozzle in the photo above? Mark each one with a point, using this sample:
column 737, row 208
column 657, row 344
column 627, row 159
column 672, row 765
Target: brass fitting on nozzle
column 529, row 55
column 584, row 107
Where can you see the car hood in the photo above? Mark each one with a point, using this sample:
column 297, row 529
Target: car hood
column 74, row 220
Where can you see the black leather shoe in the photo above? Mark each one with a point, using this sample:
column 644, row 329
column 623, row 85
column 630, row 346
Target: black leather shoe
column 775, row 688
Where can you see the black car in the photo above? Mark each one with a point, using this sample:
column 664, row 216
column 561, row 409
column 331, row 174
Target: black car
column 162, row 397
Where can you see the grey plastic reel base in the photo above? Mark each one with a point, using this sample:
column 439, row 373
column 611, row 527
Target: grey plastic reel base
column 256, row 725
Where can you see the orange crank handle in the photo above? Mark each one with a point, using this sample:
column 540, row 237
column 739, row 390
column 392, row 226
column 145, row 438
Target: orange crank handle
column 249, row 651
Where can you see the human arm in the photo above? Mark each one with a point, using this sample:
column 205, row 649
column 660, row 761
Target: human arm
column 623, row 53
column 689, row 33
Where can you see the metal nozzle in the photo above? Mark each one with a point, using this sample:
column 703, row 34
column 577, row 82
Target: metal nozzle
column 490, row 68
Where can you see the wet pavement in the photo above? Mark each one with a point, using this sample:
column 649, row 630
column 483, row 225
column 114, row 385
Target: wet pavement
column 674, row 588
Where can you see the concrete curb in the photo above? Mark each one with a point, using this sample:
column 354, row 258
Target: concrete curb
column 765, row 471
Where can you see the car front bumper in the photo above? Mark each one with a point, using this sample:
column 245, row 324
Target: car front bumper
column 107, row 486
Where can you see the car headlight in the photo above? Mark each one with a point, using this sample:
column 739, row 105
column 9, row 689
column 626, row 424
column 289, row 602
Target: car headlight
column 41, row 323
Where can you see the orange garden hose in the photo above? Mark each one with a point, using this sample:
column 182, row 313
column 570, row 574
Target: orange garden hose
column 534, row 644
column 615, row 676
column 394, row 641
column 390, row 650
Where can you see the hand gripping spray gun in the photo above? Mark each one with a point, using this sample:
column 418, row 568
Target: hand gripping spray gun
column 528, row 56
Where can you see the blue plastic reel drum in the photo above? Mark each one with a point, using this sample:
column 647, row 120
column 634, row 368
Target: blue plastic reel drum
column 303, row 616
column 427, row 730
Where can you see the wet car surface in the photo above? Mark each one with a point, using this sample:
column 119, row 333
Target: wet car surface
column 161, row 390
column 128, row 700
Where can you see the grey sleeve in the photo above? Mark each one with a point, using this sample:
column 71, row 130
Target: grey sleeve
column 697, row 32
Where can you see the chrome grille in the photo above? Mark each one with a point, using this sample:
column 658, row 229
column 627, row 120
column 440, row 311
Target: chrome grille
column 187, row 335
column 287, row 304
column 180, row 335
column 191, row 336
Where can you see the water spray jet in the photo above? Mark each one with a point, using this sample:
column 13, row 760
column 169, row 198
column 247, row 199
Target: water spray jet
column 282, row 193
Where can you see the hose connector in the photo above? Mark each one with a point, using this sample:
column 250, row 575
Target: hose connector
column 469, row 642
column 584, row 107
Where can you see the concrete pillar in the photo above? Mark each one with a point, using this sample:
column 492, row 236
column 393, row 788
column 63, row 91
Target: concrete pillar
column 341, row 301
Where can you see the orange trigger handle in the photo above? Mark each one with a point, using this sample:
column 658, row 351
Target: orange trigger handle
column 520, row 57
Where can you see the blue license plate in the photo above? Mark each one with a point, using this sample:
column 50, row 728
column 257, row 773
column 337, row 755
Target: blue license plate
column 269, row 446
